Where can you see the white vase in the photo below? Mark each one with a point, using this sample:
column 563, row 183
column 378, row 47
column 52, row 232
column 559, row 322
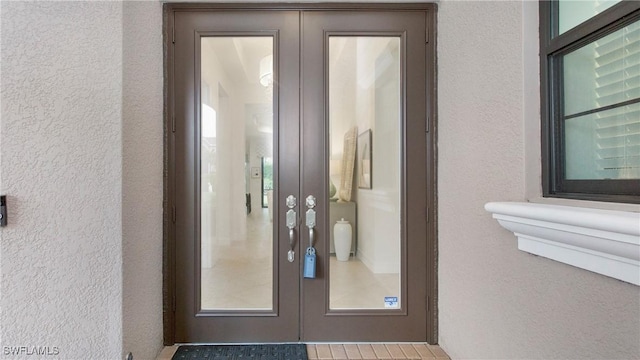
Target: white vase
column 342, row 239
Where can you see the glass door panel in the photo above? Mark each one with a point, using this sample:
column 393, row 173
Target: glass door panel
column 233, row 86
column 365, row 168
column 364, row 131
column 236, row 134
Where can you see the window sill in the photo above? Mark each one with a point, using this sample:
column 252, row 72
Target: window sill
column 603, row 241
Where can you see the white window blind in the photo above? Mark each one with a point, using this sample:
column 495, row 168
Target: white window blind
column 617, row 61
column 602, row 107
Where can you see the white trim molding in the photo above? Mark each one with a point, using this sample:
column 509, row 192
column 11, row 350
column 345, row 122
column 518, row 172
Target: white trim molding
column 603, row 241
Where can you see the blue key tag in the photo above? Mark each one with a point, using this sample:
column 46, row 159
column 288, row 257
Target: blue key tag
column 310, row 263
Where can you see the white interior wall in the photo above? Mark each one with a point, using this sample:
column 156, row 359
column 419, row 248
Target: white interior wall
column 227, row 199
column 62, row 95
column 342, row 113
column 378, row 109
column 495, row 301
column 258, row 143
column 230, row 180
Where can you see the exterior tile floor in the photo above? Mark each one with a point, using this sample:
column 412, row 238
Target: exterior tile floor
column 375, row 351
column 358, row 351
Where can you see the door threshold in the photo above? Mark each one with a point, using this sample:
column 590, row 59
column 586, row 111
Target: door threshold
column 353, row 350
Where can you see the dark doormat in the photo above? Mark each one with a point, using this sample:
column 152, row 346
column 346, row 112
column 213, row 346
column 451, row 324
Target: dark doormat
column 253, row 352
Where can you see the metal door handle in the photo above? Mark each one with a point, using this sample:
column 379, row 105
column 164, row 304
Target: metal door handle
column 291, row 224
column 311, row 218
column 311, row 232
column 292, row 240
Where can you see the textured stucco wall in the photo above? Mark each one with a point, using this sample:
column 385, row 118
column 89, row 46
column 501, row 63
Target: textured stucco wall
column 61, row 168
column 142, row 178
column 497, row 302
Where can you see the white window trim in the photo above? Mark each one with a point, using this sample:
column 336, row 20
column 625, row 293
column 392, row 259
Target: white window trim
column 603, row 241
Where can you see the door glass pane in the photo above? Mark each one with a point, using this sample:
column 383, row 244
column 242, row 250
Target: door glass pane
column 365, row 169
column 236, row 135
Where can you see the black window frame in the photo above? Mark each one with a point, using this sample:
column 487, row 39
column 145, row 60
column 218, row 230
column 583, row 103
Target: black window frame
column 552, row 48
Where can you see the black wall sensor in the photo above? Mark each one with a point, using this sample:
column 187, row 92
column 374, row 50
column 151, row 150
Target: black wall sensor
column 3, row 210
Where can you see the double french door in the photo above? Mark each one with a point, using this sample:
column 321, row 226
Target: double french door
column 299, row 174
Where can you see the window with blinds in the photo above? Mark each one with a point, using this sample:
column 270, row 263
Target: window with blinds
column 590, row 74
column 602, row 107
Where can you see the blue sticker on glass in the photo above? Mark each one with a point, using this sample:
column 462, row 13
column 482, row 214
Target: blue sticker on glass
column 391, row 301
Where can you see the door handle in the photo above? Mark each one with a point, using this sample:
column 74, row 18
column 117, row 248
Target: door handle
column 309, row 268
column 291, row 224
column 311, row 218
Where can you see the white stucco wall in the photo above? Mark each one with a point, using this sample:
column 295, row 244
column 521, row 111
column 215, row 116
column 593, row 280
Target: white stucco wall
column 142, row 162
column 497, row 302
column 62, row 171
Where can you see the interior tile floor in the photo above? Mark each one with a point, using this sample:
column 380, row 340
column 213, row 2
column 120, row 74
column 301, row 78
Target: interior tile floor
column 358, row 351
column 353, row 286
column 239, row 274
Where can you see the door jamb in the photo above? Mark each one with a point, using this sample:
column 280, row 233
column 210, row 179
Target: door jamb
column 168, row 251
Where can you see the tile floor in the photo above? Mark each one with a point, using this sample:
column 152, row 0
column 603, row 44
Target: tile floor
column 375, row 351
column 354, row 286
column 358, row 351
column 239, row 275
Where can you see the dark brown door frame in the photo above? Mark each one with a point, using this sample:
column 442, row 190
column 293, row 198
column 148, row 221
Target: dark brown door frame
column 169, row 291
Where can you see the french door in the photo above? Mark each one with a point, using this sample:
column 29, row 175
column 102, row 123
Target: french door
column 338, row 100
